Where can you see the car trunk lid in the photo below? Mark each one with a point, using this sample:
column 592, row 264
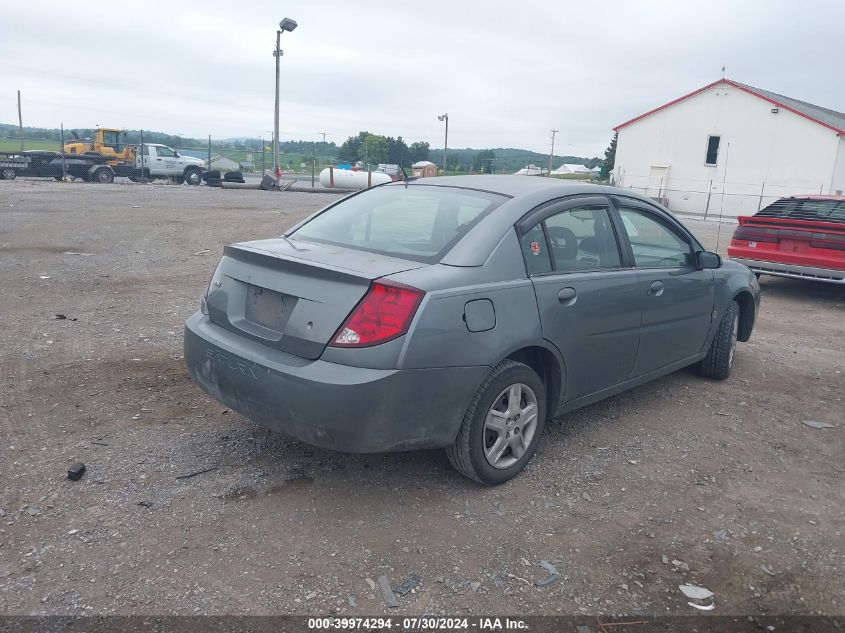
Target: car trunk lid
column 293, row 295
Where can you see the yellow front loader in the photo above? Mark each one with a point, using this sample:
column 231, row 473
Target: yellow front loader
column 108, row 142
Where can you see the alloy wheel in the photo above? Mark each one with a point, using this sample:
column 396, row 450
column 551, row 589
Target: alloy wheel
column 510, row 426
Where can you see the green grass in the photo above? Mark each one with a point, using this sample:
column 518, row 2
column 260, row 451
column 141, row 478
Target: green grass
column 14, row 145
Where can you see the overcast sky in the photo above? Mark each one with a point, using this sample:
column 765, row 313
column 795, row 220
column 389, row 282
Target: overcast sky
column 506, row 72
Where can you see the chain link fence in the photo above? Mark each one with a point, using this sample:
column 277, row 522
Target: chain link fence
column 714, row 198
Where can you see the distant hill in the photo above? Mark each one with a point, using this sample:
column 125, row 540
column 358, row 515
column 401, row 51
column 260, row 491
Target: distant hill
column 508, row 159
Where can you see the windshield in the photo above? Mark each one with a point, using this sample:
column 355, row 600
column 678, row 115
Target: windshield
column 419, row 222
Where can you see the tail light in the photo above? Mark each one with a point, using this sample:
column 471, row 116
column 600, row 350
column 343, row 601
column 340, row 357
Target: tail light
column 755, row 234
column 828, row 240
column 208, row 288
column 384, row 314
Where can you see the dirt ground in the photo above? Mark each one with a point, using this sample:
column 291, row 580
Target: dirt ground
column 682, row 480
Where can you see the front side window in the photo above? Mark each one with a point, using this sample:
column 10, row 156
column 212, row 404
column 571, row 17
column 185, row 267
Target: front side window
column 654, row 244
column 712, row 150
column 165, row 152
column 418, row 222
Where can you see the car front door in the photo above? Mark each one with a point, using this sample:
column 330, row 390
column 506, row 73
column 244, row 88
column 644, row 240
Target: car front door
column 676, row 297
column 589, row 302
column 166, row 162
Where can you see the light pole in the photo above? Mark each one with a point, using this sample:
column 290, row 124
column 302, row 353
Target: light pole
column 552, row 152
column 444, row 117
column 285, row 25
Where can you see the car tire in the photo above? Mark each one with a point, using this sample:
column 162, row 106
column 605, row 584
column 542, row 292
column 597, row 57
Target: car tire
column 103, row 176
column 193, row 176
column 720, row 357
column 8, row 174
column 473, row 453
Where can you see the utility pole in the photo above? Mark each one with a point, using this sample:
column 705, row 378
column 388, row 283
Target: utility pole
column 552, row 153
column 444, row 117
column 141, row 152
column 20, row 120
column 64, row 165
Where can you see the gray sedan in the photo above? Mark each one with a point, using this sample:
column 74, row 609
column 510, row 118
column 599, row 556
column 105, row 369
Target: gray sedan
column 462, row 313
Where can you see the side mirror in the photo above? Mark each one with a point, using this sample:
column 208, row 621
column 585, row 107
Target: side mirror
column 708, row 260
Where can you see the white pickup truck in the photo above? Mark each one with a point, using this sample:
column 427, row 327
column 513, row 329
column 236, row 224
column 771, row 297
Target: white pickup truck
column 152, row 160
column 161, row 161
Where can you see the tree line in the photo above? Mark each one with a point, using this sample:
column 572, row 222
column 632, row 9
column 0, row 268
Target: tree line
column 375, row 149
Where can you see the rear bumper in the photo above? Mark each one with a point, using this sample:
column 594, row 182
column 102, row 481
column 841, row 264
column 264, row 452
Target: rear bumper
column 830, row 275
column 350, row 409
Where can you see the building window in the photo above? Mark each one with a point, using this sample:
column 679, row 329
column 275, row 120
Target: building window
column 712, row 150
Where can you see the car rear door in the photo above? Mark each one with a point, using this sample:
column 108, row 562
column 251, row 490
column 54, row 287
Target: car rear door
column 677, row 298
column 588, row 300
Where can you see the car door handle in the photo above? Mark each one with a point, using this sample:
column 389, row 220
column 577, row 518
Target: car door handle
column 567, row 295
column 656, row 288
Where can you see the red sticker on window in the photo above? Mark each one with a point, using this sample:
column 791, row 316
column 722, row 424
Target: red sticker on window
column 535, row 248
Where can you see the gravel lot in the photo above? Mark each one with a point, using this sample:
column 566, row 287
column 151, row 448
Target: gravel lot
column 682, row 480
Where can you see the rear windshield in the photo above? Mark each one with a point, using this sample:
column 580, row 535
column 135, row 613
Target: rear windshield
column 806, row 209
column 418, row 222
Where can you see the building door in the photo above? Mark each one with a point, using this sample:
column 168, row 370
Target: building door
column 658, row 179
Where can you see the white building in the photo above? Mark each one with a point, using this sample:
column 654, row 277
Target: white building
column 530, row 170
column 570, row 168
column 731, row 148
column 221, row 163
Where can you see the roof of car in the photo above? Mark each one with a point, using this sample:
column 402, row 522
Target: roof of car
column 512, row 185
column 818, row 197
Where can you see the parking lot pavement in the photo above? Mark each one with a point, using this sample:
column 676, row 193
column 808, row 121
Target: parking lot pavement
column 682, row 480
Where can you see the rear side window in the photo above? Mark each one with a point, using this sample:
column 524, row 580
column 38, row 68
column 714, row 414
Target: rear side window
column 582, row 239
column 418, row 222
column 578, row 239
column 536, row 251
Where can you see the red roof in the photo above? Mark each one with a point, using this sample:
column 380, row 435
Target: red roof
column 827, row 118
